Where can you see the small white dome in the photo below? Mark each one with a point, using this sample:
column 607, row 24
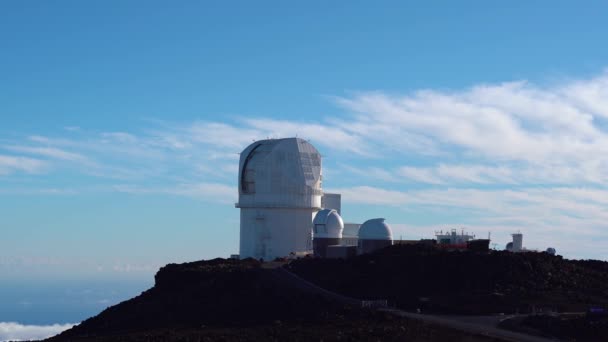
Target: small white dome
column 375, row 229
column 328, row 224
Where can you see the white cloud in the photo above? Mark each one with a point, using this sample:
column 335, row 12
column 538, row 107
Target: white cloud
column 222, row 135
column 120, row 136
column 511, row 154
column 506, row 122
column 422, row 175
column 548, row 215
column 38, row 191
column 330, row 135
column 215, row 192
column 50, row 152
column 11, row 331
column 11, row 164
column 506, row 133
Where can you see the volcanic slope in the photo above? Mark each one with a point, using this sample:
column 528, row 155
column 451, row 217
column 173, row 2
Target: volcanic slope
column 415, row 277
column 231, row 300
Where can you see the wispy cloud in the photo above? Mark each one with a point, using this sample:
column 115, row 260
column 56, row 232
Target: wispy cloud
column 519, row 123
column 12, row 164
column 12, row 331
column 508, row 133
column 50, row 152
column 216, row 192
column 513, row 154
column 549, row 216
column 325, row 134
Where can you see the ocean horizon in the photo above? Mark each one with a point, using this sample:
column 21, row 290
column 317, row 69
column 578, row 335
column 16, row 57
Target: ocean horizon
column 40, row 308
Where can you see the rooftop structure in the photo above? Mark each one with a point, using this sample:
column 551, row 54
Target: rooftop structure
column 518, row 242
column 453, row 239
column 332, row 201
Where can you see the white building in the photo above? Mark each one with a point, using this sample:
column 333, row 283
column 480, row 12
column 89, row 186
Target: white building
column 518, row 242
column 350, row 234
column 327, row 231
column 517, row 245
column 280, row 190
column 374, row 234
column 332, row 201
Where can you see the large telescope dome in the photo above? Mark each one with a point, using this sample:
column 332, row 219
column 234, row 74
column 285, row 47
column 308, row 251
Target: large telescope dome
column 279, row 194
column 280, row 173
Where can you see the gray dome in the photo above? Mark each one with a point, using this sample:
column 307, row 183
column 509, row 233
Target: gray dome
column 375, row 229
column 328, row 224
column 551, row 250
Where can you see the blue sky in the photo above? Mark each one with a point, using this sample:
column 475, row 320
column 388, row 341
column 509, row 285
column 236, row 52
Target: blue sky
column 121, row 122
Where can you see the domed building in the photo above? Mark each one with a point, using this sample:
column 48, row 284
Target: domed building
column 373, row 235
column 279, row 193
column 327, row 231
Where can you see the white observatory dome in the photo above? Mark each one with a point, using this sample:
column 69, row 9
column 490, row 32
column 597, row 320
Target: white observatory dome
column 328, row 224
column 375, row 229
column 280, row 173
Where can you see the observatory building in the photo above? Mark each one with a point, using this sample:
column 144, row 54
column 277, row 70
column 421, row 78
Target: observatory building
column 516, row 245
column 374, row 234
column 279, row 194
column 327, row 231
column 284, row 211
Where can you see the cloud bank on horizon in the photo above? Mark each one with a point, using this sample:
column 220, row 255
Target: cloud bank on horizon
column 505, row 157
column 11, row 331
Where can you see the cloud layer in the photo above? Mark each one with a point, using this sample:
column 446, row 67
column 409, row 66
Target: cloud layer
column 515, row 155
column 11, row 331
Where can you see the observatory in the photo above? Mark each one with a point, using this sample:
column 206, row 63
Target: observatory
column 518, row 239
column 327, row 231
column 374, row 234
column 279, row 194
column 516, row 245
column 332, row 201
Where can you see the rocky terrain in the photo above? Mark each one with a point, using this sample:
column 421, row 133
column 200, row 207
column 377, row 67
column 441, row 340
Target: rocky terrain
column 230, row 300
column 412, row 277
column 568, row 327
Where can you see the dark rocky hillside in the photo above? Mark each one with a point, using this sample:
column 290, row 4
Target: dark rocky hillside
column 567, row 327
column 412, row 277
column 228, row 300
